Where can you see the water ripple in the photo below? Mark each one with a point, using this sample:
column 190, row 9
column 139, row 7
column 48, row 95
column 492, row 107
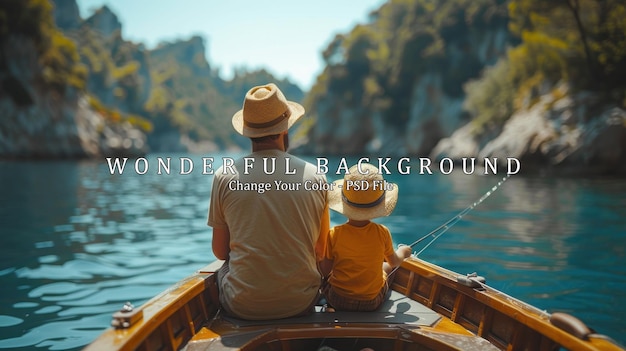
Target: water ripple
column 79, row 250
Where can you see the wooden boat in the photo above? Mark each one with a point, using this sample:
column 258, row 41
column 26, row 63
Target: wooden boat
column 430, row 308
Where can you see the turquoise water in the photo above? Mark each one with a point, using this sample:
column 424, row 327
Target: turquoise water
column 78, row 242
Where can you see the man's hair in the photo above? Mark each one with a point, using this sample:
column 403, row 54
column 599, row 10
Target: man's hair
column 265, row 138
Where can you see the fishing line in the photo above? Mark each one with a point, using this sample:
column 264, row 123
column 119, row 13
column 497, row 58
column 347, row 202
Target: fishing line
column 437, row 232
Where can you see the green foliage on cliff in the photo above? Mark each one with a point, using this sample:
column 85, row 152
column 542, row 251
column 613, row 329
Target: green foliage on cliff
column 61, row 62
column 184, row 96
column 31, row 20
column 376, row 65
column 172, row 87
column 166, row 92
column 581, row 42
column 115, row 116
column 114, row 77
column 188, row 95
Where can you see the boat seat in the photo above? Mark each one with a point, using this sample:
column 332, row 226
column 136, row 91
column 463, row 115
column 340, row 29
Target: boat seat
column 397, row 309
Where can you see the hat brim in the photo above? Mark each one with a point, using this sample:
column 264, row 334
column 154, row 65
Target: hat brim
column 297, row 111
column 383, row 209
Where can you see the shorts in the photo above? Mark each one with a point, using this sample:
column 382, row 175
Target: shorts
column 344, row 303
column 225, row 269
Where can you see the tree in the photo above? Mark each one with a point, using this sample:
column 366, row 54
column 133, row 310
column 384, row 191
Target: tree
column 592, row 32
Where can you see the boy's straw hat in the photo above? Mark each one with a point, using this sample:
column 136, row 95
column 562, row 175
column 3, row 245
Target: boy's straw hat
column 363, row 204
column 266, row 111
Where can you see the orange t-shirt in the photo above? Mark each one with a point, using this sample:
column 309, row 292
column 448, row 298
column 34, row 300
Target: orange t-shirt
column 358, row 254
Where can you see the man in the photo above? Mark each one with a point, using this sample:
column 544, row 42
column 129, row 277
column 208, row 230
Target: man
column 268, row 226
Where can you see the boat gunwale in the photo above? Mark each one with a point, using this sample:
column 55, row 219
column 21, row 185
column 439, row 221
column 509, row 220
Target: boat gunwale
column 511, row 307
column 159, row 309
column 156, row 311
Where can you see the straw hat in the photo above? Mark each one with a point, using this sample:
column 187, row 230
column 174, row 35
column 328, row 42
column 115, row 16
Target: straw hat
column 266, row 111
column 370, row 201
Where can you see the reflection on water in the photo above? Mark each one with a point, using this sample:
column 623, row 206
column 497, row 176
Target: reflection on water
column 78, row 242
column 559, row 244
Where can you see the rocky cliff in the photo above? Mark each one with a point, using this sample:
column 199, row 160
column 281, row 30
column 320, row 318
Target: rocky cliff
column 45, row 112
column 483, row 78
column 560, row 133
column 172, row 89
column 394, row 86
column 74, row 87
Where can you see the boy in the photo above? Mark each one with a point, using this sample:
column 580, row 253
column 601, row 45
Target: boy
column 360, row 251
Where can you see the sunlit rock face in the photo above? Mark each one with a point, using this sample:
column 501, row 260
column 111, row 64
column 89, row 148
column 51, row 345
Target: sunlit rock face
column 428, row 108
column 45, row 121
column 104, row 21
column 559, row 130
column 559, row 134
column 66, row 14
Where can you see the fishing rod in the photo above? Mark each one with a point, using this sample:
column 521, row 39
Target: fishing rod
column 437, row 232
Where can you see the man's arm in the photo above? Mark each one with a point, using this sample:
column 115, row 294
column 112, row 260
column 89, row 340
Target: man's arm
column 221, row 243
column 324, row 265
column 320, row 245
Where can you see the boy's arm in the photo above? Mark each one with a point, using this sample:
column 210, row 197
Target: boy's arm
column 399, row 255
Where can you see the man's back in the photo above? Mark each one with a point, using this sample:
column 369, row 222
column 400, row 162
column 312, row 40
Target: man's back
column 273, row 218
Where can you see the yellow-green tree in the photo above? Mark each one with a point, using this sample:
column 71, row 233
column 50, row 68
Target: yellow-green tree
column 57, row 55
column 375, row 66
column 581, row 42
column 579, row 33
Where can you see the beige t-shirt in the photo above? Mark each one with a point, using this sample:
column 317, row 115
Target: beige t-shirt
column 273, row 233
